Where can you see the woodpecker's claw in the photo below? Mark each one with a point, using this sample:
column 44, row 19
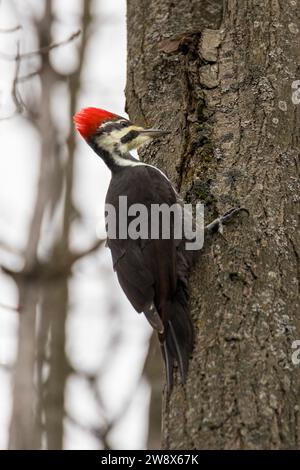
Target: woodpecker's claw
column 217, row 224
column 231, row 213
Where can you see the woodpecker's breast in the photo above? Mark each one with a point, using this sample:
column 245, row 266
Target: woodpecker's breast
column 142, row 184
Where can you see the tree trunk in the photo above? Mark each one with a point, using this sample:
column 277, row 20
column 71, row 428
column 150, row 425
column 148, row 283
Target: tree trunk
column 38, row 413
column 224, row 81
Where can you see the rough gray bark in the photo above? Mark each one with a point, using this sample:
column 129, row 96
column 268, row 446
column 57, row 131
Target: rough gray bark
column 222, row 79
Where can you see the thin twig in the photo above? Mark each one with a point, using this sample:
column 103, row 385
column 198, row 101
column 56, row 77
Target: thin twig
column 44, row 271
column 15, row 91
column 16, row 96
column 77, row 256
column 19, row 103
column 95, row 431
column 30, row 75
column 10, row 30
column 12, row 309
column 41, row 50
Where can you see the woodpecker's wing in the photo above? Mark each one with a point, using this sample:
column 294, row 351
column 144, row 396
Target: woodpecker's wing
column 153, row 273
column 146, row 269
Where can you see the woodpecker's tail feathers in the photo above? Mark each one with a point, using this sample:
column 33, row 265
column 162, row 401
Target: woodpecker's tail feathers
column 178, row 344
column 169, row 365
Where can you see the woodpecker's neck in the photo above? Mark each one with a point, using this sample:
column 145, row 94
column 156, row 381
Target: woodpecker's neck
column 115, row 160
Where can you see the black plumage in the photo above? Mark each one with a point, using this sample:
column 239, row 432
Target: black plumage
column 154, row 273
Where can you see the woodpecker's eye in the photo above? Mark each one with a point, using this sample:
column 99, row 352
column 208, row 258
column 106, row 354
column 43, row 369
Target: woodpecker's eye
column 123, row 123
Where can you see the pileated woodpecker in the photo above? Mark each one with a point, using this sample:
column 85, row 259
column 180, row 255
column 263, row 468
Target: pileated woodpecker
column 153, row 273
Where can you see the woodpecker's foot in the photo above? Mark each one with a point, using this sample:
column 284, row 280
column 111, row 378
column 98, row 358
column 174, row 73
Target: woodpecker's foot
column 217, row 224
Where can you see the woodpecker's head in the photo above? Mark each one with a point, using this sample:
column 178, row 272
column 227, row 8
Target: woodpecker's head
column 110, row 132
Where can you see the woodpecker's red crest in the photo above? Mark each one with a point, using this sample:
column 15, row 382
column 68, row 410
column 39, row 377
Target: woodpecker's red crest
column 88, row 120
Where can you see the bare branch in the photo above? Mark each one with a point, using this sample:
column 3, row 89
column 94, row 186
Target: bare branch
column 96, row 431
column 44, row 271
column 77, row 256
column 19, row 103
column 101, row 432
column 30, row 75
column 41, row 50
column 11, row 30
column 12, row 309
column 15, row 92
column 16, row 96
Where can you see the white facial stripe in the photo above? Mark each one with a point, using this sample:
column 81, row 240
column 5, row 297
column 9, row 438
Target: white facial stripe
column 108, row 141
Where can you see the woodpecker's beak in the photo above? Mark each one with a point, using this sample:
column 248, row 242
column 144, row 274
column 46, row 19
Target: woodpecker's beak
column 154, row 132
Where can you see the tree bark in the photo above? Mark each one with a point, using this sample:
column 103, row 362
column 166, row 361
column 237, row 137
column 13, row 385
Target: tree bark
column 223, row 78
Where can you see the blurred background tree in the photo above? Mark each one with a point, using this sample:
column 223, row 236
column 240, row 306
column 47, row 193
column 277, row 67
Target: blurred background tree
column 72, row 349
